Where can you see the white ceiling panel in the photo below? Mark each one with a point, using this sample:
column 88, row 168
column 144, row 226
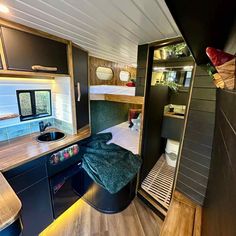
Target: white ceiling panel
column 108, row 29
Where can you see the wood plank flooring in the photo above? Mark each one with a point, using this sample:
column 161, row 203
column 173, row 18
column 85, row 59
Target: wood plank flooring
column 183, row 218
column 83, row 220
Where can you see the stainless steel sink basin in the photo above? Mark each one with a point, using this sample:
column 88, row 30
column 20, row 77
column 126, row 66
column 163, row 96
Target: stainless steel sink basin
column 51, row 136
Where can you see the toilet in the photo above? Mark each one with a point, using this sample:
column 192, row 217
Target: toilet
column 171, row 152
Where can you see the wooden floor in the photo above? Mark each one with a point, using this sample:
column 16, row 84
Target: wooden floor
column 82, row 220
column 183, row 217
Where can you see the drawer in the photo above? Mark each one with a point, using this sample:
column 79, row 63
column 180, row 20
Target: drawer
column 28, row 178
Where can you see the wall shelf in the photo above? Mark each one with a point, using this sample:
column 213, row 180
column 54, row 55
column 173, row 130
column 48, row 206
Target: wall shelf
column 118, row 98
column 8, row 116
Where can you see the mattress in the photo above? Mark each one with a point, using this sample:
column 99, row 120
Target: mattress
column 112, row 89
column 123, row 136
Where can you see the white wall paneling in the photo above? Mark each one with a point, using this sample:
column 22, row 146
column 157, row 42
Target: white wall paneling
column 108, row 29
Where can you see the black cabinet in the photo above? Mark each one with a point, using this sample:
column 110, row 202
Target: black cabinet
column 36, row 208
column 80, row 70
column 23, row 50
column 152, row 145
column 30, row 182
column 172, row 128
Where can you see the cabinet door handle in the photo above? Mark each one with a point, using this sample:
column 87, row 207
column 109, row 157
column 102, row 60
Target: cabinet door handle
column 79, row 92
column 44, row 68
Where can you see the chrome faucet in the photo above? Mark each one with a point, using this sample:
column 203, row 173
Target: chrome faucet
column 43, row 126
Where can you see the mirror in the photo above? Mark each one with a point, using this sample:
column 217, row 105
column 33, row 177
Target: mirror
column 172, row 66
column 124, row 76
column 104, row 73
column 180, row 76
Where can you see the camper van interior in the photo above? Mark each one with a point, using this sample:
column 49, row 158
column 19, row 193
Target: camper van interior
column 117, row 118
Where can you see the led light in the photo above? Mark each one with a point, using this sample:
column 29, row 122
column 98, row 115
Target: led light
column 155, row 68
column 4, row 9
column 188, row 67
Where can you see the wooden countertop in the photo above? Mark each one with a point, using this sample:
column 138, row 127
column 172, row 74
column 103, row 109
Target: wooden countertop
column 17, row 152
column 10, row 204
column 172, row 114
column 24, row 149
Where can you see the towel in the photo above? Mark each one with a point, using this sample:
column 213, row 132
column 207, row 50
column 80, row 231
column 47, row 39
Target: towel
column 109, row 165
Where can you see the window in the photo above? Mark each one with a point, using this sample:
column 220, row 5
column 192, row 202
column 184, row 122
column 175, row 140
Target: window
column 124, row 75
column 104, row 73
column 34, row 104
column 188, row 76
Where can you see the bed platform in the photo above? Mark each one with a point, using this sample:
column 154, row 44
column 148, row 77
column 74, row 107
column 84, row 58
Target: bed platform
column 123, row 136
column 98, row 197
column 115, row 93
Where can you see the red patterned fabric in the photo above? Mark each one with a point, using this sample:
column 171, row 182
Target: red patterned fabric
column 218, row 57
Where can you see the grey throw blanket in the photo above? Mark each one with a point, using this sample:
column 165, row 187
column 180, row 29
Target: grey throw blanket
column 109, row 165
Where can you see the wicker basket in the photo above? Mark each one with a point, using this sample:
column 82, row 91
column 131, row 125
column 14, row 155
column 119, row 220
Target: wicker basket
column 227, row 72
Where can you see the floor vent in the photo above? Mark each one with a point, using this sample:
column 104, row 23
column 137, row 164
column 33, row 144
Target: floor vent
column 159, row 182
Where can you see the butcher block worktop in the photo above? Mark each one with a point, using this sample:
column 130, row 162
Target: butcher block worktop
column 17, row 152
column 26, row 148
column 10, row 204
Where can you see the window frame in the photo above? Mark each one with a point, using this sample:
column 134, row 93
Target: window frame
column 33, row 104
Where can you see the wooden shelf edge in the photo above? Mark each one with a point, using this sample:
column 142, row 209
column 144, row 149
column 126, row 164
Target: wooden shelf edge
column 118, row 98
column 29, row 74
column 8, row 116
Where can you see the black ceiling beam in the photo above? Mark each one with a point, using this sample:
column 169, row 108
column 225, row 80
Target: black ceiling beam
column 203, row 23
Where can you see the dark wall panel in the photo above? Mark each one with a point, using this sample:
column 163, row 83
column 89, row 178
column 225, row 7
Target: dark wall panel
column 203, row 23
column 220, row 206
column 197, row 147
column 180, row 98
column 106, row 114
column 141, row 69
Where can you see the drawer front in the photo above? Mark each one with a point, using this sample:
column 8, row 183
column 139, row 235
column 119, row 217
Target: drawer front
column 28, row 178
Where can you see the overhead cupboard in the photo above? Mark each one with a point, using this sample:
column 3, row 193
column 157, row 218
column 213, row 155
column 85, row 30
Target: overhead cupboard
column 26, row 51
column 30, row 53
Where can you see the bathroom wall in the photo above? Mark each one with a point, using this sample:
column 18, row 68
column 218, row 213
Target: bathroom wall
column 61, row 105
column 197, row 145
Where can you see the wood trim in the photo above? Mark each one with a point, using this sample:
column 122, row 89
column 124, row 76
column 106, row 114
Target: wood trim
column 8, row 116
column 171, row 114
column 86, row 128
column 27, row 29
column 153, row 203
column 165, row 42
column 2, row 54
column 118, row 98
column 72, row 84
column 97, row 97
column 29, row 74
column 89, row 95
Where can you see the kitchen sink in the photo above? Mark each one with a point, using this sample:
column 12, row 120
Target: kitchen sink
column 51, row 136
